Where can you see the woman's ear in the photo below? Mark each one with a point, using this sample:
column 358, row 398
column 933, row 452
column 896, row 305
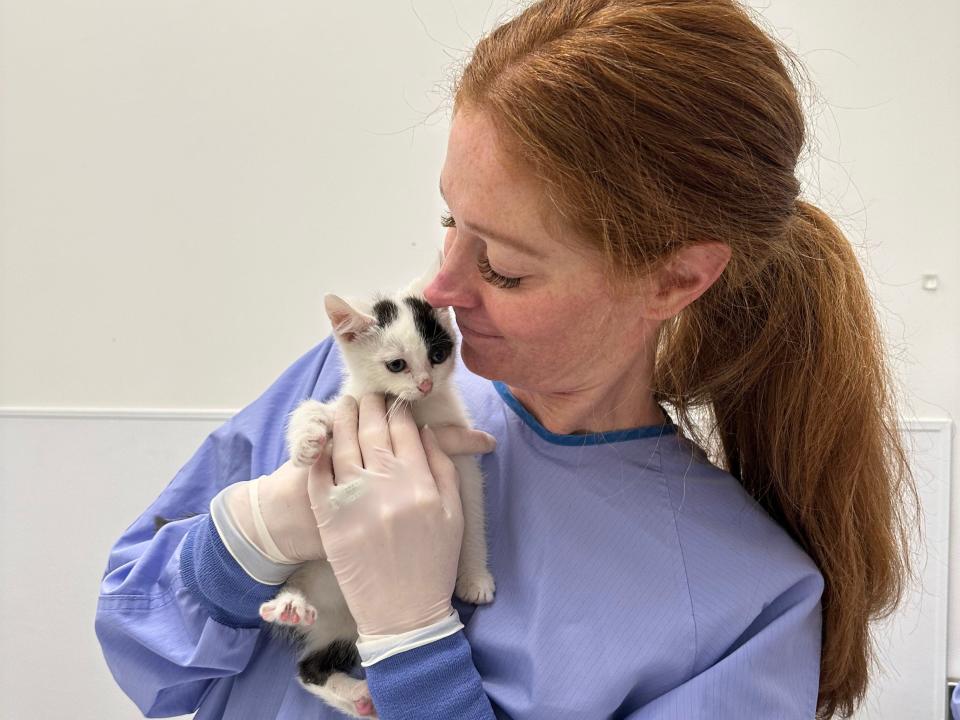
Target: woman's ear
column 685, row 276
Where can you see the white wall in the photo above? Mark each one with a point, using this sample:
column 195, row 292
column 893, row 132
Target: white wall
column 180, row 183
column 71, row 484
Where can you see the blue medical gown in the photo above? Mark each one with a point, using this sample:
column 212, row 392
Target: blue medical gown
column 635, row 581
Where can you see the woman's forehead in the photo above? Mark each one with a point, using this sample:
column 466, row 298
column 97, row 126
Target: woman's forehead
column 492, row 195
column 479, row 171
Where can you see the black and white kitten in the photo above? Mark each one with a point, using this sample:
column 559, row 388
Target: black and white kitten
column 402, row 347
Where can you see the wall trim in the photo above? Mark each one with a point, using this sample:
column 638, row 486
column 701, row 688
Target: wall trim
column 118, row 413
column 912, row 424
column 926, row 424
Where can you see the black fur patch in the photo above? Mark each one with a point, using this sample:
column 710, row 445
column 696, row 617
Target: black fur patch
column 428, row 326
column 386, row 311
column 338, row 656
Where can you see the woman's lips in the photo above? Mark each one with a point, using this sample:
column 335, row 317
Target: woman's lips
column 466, row 330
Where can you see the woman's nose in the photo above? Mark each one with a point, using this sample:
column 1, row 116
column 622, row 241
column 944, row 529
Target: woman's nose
column 455, row 283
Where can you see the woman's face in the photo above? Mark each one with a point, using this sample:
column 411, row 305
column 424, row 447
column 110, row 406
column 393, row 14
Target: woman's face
column 534, row 311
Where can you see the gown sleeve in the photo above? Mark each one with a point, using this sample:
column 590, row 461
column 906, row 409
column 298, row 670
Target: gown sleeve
column 771, row 671
column 175, row 611
column 431, row 682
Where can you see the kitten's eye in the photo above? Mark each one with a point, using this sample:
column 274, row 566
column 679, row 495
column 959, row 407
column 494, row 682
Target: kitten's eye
column 396, row 365
column 446, row 220
column 438, row 355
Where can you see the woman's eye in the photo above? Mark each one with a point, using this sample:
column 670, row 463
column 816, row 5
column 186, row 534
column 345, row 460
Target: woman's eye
column 486, row 272
column 495, row 278
column 396, row 365
column 438, row 356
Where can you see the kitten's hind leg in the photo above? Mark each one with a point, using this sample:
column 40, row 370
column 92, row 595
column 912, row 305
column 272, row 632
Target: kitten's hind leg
column 289, row 608
column 309, row 427
column 324, row 674
column 475, row 583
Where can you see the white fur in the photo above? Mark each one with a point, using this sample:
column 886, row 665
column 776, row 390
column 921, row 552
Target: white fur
column 317, row 611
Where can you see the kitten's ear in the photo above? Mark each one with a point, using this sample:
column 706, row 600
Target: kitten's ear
column 348, row 322
column 417, row 286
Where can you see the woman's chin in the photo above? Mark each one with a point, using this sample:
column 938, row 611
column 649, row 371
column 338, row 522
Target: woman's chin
column 480, row 363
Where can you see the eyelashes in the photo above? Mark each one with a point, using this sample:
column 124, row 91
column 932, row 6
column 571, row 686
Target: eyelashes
column 493, row 277
column 483, row 264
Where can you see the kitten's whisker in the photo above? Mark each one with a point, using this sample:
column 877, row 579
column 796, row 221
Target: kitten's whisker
column 392, row 409
column 395, row 406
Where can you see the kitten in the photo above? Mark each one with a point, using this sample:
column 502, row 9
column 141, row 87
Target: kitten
column 404, row 348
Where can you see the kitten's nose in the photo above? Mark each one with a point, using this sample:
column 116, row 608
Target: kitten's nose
column 426, row 386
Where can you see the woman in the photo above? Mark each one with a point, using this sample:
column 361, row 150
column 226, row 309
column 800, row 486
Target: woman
column 624, row 231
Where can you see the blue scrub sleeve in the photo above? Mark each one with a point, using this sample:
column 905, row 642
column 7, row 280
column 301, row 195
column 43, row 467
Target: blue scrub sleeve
column 431, row 682
column 772, row 671
column 175, row 611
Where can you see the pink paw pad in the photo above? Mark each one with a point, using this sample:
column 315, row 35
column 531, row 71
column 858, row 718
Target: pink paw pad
column 364, row 706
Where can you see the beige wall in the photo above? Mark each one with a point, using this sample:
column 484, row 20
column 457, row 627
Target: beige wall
column 181, row 182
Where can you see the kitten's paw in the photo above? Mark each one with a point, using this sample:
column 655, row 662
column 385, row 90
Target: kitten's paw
column 357, row 692
column 305, row 451
column 364, row 707
column 349, row 695
column 309, row 429
column 288, row 608
column 476, row 587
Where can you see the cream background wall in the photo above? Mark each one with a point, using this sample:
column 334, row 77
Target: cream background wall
column 181, row 182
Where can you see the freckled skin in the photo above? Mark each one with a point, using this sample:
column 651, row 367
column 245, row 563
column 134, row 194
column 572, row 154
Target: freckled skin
column 576, row 356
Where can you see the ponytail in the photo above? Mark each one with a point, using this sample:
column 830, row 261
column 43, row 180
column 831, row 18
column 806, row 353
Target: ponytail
column 790, row 366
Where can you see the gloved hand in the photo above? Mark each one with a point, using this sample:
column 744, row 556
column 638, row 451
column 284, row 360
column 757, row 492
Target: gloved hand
column 273, row 511
column 387, row 503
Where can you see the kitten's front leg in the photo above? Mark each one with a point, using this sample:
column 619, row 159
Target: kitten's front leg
column 474, row 582
column 309, row 427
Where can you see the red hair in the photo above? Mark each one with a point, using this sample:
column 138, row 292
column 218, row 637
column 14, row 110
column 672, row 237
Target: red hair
column 658, row 123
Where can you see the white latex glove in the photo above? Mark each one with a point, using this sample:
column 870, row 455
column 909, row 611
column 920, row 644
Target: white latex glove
column 273, row 511
column 387, row 503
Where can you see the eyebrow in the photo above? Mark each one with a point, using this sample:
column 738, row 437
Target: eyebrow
column 505, row 239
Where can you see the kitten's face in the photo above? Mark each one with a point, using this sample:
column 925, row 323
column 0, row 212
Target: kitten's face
column 401, row 346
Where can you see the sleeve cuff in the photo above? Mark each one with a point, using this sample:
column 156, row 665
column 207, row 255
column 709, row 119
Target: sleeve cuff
column 437, row 680
column 247, row 555
column 217, row 580
column 374, row 648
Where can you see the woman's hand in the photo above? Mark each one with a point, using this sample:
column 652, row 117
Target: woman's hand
column 387, row 504
column 287, row 528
